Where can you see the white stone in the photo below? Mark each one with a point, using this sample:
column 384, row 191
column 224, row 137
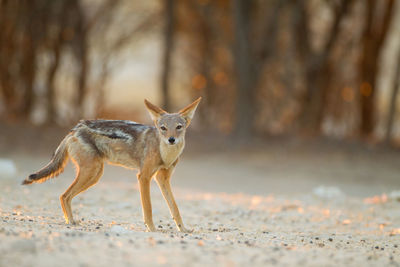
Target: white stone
column 394, row 195
column 7, row 168
column 328, row 192
column 117, row 229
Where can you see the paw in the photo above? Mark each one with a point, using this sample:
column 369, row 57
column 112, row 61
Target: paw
column 71, row 221
column 185, row 230
column 151, row 228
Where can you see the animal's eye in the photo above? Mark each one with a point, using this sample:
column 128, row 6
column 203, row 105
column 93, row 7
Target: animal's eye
column 179, row 127
column 163, row 128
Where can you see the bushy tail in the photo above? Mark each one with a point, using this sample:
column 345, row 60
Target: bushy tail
column 53, row 168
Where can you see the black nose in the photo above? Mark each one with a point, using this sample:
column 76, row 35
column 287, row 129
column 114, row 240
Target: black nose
column 171, row 140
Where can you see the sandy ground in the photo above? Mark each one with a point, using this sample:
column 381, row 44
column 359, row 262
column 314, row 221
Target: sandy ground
column 282, row 205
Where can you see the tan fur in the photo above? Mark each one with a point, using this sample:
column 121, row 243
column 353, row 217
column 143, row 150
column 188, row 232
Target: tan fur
column 152, row 150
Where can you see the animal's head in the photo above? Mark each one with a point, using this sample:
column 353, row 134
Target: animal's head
column 172, row 126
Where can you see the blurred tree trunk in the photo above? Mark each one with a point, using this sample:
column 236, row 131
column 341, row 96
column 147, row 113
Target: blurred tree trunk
column 244, row 68
column 377, row 22
column 51, row 86
column 318, row 80
column 393, row 101
column 317, row 63
column 250, row 58
column 204, row 40
column 8, row 25
column 18, row 55
column 56, row 46
column 82, row 54
column 205, row 68
column 29, row 77
column 167, row 53
column 83, row 73
column 29, row 62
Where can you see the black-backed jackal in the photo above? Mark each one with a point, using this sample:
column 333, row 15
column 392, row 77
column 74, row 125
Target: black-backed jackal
column 154, row 150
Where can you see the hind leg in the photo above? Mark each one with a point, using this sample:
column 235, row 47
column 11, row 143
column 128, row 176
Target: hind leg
column 89, row 171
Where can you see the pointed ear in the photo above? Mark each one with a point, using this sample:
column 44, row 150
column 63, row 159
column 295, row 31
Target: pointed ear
column 188, row 112
column 155, row 112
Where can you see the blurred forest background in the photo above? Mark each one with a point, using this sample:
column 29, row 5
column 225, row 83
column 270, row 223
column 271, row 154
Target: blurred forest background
column 263, row 67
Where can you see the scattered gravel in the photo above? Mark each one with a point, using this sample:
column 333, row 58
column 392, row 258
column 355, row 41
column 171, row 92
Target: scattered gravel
column 298, row 226
column 229, row 229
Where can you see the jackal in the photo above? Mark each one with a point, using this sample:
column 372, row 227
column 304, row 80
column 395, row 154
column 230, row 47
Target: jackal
column 154, row 150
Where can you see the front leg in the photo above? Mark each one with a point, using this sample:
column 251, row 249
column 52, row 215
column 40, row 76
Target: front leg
column 163, row 180
column 144, row 187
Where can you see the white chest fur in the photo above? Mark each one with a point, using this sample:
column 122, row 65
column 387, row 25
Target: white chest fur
column 170, row 153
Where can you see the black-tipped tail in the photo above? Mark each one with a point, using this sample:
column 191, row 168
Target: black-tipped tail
column 54, row 168
column 30, row 179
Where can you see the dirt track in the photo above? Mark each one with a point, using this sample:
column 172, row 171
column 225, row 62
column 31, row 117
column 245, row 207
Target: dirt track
column 247, row 208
